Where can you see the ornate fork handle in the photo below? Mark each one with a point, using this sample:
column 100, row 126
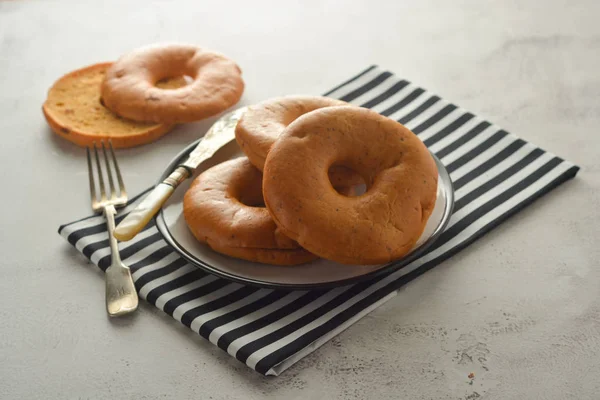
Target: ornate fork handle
column 121, row 296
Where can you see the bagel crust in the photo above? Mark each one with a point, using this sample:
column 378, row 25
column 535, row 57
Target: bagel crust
column 379, row 226
column 130, row 90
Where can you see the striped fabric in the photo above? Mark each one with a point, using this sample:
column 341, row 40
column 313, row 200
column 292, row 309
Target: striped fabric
column 495, row 175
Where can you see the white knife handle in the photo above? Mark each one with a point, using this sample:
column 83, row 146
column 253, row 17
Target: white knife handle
column 143, row 213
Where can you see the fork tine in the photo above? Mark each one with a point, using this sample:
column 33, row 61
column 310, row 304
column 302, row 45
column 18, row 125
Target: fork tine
column 117, row 170
column 100, row 177
column 113, row 194
column 91, row 175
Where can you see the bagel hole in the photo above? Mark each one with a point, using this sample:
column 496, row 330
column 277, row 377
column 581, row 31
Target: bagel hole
column 250, row 194
column 252, row 200
column 347, row 181
column 246, row 188
column 171, row 83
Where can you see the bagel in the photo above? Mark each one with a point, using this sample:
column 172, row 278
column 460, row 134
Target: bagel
column 224, row 204
column 75, row 112
column 263, row 123
column 130, row 90
column 379, row 226
column 224, row 208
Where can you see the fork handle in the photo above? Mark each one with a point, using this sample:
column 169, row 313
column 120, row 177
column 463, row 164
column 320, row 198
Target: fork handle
column 121, row 296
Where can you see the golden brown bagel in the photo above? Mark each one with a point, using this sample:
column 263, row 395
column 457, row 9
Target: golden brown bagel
column 224, row 208
column 263, row 123
column 129, row 88
column 379, row 226
column 224, row 204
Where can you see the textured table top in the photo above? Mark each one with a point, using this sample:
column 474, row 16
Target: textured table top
column 520, row 308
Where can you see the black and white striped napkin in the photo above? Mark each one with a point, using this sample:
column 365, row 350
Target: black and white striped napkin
column 495, row 174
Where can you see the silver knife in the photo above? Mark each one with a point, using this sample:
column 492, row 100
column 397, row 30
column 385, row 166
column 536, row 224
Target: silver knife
column 221, row 133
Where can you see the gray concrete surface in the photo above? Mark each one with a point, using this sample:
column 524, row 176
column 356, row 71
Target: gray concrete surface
column 520, row 308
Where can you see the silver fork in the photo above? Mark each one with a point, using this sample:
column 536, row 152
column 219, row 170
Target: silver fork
column 121, row 296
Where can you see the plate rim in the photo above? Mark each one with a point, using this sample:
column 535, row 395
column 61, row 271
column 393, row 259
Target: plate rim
column 161, row 225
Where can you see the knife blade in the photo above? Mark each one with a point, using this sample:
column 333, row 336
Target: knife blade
column 219, row 134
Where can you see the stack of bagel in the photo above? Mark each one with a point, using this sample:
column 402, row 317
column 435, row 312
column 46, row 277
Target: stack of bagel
column 292, row 198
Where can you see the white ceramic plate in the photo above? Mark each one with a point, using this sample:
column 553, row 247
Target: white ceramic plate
column 317, row 274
